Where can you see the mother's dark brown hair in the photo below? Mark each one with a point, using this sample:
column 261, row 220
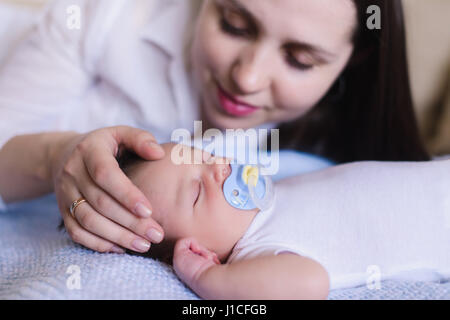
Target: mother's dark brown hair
column 368, row 114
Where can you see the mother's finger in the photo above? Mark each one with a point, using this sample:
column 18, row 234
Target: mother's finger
column 87, row 239
column 142, row 142
column 102, row 227
column 106, row 173
column 66, row 193
column 114, row 211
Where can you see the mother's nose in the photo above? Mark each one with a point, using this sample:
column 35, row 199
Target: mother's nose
column 251, row 71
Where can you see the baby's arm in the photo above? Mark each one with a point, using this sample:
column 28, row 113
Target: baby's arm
column 283, row 276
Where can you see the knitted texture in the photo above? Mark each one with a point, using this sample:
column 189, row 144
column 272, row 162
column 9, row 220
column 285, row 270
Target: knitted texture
column 36, row 258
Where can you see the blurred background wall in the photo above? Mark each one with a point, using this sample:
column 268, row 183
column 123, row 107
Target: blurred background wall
column 428, row 32
column 428, row 36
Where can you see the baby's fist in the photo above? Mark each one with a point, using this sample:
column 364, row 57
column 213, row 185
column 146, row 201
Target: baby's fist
column 191, row 259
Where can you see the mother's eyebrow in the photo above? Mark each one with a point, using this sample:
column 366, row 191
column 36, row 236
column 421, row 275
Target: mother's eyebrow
column 242, row 10
column 239, row 6
column 291, row 43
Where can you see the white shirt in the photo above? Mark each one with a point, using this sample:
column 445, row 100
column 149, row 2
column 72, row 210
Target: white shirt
column 125, row 66
column 402, row 230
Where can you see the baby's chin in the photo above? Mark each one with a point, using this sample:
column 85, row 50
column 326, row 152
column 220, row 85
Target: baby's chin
column 240, row 223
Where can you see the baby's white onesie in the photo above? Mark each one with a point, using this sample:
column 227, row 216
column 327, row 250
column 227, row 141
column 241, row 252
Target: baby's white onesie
column 362, row 221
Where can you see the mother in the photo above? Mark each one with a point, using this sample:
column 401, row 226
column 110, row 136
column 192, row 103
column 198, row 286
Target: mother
column 311, row 68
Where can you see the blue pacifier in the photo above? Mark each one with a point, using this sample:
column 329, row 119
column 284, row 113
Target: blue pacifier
column 246, row 188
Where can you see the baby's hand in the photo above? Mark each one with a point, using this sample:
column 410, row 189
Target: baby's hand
column 191, row 259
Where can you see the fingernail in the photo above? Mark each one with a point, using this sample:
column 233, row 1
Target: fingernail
column 117, row 249
column 154, row 235
column 154, row 145
column 142, row 210
column 141, row 245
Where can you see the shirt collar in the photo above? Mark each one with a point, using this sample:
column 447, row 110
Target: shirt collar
column 169, row 31
column 166, row 29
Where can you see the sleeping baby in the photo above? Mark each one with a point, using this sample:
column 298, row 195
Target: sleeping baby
column 302, row 245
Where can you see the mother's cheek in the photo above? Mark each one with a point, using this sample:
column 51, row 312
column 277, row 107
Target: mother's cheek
column 300, row 98
column 209, row 49
column 306, row 93
column 218, row 55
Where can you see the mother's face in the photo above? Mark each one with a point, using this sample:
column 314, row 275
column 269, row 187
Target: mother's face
column 281, row 56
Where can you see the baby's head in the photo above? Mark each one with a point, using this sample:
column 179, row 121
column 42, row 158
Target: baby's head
column 188, row 200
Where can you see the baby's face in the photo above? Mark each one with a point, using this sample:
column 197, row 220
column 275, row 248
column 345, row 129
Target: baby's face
column 188, row 200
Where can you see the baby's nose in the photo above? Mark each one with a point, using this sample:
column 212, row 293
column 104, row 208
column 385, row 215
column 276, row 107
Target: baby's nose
column 221, row 172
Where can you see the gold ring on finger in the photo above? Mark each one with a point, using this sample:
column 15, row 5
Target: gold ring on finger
column 75, row 204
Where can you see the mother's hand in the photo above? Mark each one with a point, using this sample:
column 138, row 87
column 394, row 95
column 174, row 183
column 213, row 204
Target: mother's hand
column 116, row 215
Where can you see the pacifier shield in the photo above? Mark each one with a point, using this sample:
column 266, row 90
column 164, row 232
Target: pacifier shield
column 236, row 191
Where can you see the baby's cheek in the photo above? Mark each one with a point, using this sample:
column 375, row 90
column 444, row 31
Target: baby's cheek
column 179, row 228
column 211, row 226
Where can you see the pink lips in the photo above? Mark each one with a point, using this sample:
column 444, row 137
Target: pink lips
column 233, row 107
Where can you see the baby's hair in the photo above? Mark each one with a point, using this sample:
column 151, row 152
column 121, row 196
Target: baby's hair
column 163, row 251
column 127, row 159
